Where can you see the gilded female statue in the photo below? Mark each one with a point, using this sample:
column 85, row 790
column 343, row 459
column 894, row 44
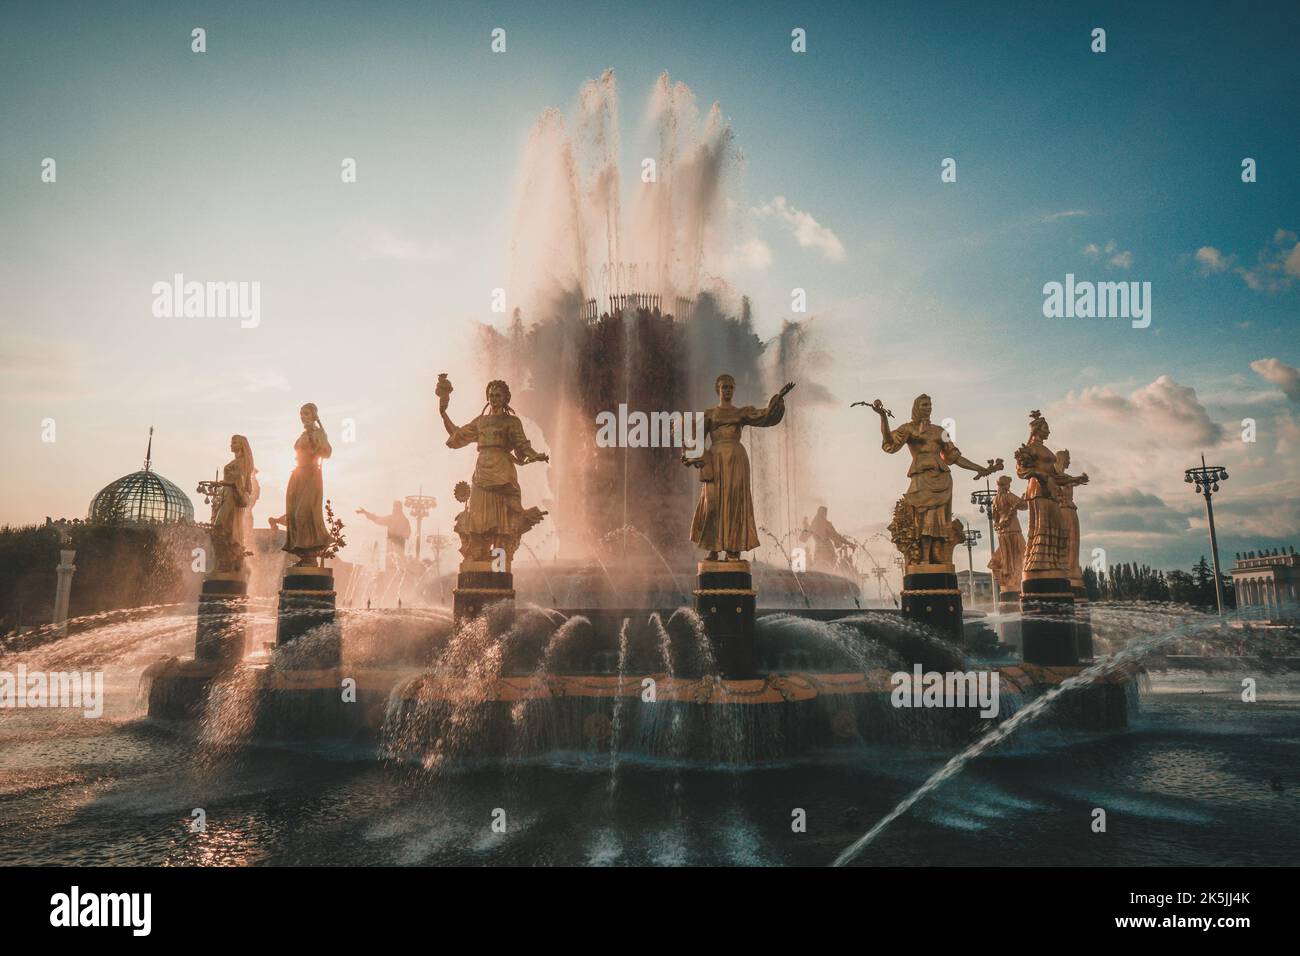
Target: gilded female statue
column 724, row 515
column 1049, row 537
column 496, row 517
column 1008, row 561
column 304, row 499
column 230, row 521
column 1065, row 484
column 929, row 494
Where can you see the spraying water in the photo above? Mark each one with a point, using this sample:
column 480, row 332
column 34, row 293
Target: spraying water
column 1133, row 652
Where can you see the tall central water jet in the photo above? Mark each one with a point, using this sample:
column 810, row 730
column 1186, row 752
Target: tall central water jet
column 624, row 311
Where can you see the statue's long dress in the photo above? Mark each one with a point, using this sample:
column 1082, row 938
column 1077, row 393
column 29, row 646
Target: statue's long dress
column 1045, row 551
column 930, row 491
column 495, row 502
column 1009, row 561
column 1070, row 514
column 229, row 524
column 304, row 499
column 724, row 514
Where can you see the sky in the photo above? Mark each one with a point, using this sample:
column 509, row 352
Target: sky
column 225, row 165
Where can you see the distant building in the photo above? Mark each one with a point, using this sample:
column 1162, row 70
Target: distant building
column 1267, row 583
column 143, row 497
column 983, row 586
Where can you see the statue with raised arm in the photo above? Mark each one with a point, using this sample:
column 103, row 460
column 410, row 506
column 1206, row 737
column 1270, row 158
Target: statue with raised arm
column 827, row 541
column 1065, row 485
column 724, row 515
column 495, row 517
column 304, row 518
column 235, row 498
column 1046, row 550
column 396, row 525
column 1007, row 563
column 927, row 504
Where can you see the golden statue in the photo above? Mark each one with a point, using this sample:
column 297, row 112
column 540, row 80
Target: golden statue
column 1065, row 484
column 304, row 517
column 495, row 518
column 724, row 515
column 230, row 522
column 1046, row 550
column 1008, row 562
column 923, row 522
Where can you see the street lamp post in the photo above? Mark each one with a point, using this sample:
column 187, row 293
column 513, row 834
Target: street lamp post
column 420, row 506
column 972, row 536
column 984, row 499
column 880, row 571
column 1207, row 478
column 439, row 542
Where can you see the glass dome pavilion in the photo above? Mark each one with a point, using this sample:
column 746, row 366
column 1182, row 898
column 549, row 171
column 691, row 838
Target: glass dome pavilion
column 142, row 497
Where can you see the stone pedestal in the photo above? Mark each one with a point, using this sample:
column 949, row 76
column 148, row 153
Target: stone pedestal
column 307, row 602
column 1082, row 621
column 724, row 599
column 1009, row 631
column 478, row 586
column 1047, row 623
column 219, row 637
column 931, row 596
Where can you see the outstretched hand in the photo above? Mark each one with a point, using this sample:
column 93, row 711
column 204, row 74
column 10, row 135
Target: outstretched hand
column 785, row 389
column 992, row 466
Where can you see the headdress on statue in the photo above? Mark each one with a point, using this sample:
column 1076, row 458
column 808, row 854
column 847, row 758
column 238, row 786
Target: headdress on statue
column 498, row 383
column 916, row 406
column 245, row 451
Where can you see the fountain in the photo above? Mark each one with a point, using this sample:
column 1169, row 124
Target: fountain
column 603, row 647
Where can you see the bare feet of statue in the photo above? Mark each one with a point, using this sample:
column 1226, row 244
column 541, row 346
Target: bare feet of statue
column 733, row 555
column 713, row 556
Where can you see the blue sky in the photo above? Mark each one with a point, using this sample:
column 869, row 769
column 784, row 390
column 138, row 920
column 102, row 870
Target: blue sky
column 226, row 164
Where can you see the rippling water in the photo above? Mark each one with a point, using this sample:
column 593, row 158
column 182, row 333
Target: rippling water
column 1199, row 778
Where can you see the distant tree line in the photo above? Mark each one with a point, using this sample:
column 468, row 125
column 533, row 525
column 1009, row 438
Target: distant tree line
column 117, row 567
column 1134, row 582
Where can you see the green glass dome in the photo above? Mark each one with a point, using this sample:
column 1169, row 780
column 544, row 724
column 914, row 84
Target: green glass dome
column 142, row 497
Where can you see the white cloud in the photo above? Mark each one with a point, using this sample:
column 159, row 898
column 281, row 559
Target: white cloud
column 1132, row 511
column 808, row 232
column 1276, row 268
column 384, row 245
column 1116, row 257
column 1065, row 214
column 754, row 255
column 1280, row 374
column 1162, row 408
column 1211, row 260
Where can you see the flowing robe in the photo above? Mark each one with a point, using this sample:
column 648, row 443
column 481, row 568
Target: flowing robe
column 304, row 499
column 229, row 524
column 724, row 514
column 1070, row 515
column 496, row 508
column 1009, row 560
column 1049, row 537
column 930, row 490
